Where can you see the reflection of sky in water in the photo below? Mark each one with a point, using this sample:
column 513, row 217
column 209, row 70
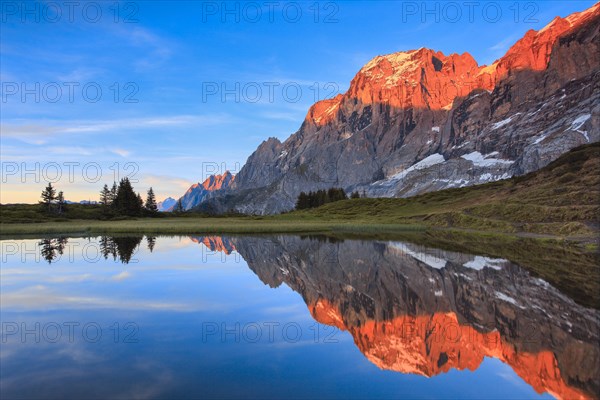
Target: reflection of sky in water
column 172, row 294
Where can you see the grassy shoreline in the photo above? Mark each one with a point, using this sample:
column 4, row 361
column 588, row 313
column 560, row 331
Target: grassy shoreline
column 561, row 200
column 568, row 263
column 200, row 225
column 311, row 222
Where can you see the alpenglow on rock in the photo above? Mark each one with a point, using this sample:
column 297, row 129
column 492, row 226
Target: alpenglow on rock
column 200, row 191
column 419, row 121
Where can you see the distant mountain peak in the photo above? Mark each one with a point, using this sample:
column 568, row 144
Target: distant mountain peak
column 166, row 204
column 216, row 182
column 199, row 191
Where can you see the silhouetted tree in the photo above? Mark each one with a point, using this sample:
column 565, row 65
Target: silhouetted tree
column 121, row 248
column 50, row 248
column 140, row 202
column 48, row 197
column 126, row 247
column 336, row 194
column 303, row 201
column 47, row 250
column 105, row 196
column 320, row 197
column 107, row 247
column 151, row 202
column 113, row 193
column 151, row 240
column 60, row 244
column 60, row 202
column 126, row 201
column 355, row 195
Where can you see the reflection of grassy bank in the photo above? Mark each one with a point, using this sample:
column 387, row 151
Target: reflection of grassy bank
column 568, row 266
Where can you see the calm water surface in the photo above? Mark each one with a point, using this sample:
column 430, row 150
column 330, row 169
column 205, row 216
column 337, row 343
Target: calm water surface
column 285, row 316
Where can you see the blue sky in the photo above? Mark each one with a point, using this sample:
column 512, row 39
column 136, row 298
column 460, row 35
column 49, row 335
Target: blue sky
column 168, row 71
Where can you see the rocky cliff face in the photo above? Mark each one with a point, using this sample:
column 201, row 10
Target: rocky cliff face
column 198, row 192
column 419, row 121
column 425, row 311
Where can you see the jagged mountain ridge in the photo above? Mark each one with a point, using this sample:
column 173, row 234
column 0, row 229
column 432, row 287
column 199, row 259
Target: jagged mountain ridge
column 200, row 191
column 420, row 121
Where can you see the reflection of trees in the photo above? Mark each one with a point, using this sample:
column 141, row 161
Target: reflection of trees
column 121, row 248
column 108, row 247
column 151, row 242
column 50, row 248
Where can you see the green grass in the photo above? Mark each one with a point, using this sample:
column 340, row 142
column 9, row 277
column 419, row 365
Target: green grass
column 562, row 199
column 194, row 225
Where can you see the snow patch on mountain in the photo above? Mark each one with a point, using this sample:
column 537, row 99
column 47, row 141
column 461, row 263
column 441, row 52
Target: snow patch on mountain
column 485, row 160
column 506, row 121
column 578, row 123
column 427, row 162
column 479, row 263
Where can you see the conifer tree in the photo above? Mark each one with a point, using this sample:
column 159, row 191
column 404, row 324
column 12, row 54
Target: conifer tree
column 151, row 202
column 60, row 202
column 140, row 204
column 105, row 196
column 127, row 202
column 303, row 201
column 48, row 196
column 113, row 192
column 320, row 197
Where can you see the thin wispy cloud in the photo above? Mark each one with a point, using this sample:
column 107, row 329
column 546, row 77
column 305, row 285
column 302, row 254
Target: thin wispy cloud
column 69, row 150
column 39, row 132
column 41, row 297
column 285, row 116
column 159, row 49
column 500, row 48
column 121, row 276
column 120, row 152
column 179, row 183
column 80, row 74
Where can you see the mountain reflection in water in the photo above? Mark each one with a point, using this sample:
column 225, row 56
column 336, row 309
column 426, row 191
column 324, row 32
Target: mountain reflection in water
column 419, row 310
column 425, row 311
